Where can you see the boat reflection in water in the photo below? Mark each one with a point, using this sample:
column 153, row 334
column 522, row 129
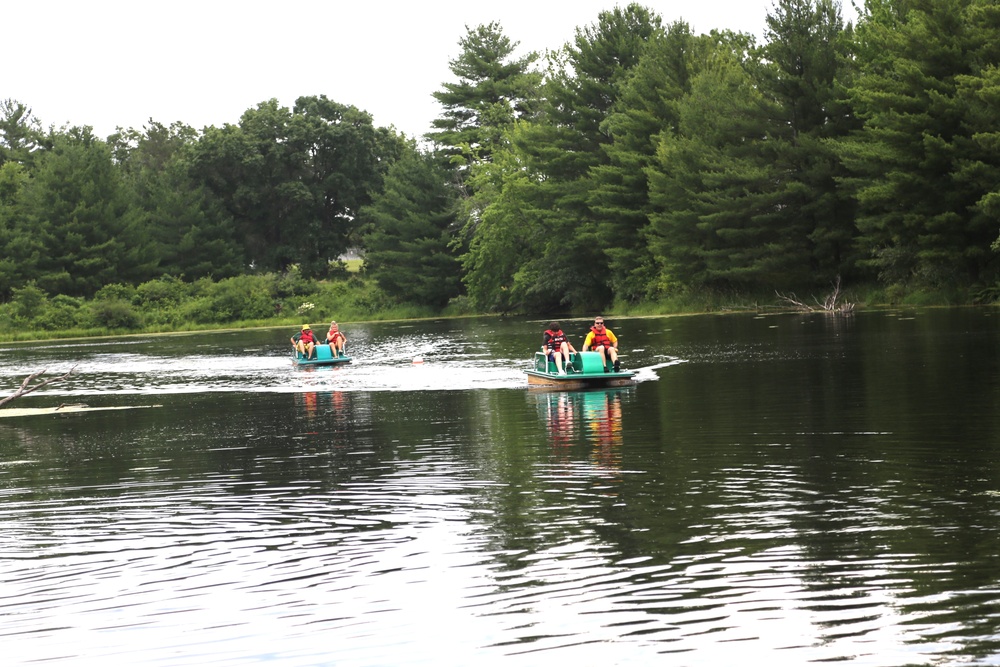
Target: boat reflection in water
column 313, row 403
column 588, row 418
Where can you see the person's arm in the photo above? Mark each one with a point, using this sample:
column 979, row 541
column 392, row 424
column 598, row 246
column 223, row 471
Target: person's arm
column 613, row 338
column 586, row 341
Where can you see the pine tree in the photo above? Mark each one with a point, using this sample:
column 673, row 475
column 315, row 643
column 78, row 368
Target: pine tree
column 408, row 233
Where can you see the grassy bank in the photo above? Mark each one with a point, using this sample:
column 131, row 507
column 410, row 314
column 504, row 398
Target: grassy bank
column 170, row 305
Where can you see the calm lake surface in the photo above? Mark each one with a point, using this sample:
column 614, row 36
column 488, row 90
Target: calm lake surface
column 776, row 490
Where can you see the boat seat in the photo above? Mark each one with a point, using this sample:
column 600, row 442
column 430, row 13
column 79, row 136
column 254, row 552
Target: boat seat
column 587, row 362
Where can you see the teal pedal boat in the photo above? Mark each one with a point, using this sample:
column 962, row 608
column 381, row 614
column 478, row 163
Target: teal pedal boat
column 323, row 355
column 584, row 371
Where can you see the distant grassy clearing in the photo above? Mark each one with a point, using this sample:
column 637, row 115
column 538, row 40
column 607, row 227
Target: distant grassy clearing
column 354, row 265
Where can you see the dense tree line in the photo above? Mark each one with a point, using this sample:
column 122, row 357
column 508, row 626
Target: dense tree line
column 657, row 162
column 637, row 162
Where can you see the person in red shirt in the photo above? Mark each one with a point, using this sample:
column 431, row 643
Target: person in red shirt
column 335, row 339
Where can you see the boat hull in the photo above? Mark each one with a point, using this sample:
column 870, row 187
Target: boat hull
column 323, row 355
column 585, row 370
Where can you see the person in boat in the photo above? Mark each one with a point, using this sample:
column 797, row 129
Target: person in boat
column 304, row 342
column 335, row 339
column 603, row 340
column 557, row 346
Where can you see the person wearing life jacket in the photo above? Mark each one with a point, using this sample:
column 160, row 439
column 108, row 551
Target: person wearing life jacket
column 335, row 339
column 556, row 346
column 604, row 341
column 305, row 341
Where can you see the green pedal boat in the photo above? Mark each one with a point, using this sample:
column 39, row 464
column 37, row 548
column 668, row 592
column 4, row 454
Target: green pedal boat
column 584, row 370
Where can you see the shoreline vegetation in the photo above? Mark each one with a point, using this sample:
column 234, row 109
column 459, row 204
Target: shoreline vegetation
column 171, row 306
column 639, row 169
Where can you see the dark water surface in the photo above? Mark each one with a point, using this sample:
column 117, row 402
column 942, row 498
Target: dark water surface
column 775, row 490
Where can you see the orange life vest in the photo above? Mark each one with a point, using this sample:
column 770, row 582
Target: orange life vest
column 555, row 339
column 600, row 338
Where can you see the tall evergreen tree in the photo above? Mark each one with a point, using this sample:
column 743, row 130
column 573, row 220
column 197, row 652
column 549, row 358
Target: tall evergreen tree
column 20, row 132
column 925, row 216
column 803, row 65
column 709, row 181
column 408, row 231
column 746, row 193
column 192, row 233
column 19, row 252
column 77, row 206
column 493, row 90
column 646, row 108
column 559, row 149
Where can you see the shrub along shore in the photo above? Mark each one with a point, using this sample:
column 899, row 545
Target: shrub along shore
column 171, row 305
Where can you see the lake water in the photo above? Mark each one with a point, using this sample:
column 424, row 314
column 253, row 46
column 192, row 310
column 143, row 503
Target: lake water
column 774, row 490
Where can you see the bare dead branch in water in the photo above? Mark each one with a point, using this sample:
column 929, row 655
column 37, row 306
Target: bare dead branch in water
column 26, row 386
column 829, row 304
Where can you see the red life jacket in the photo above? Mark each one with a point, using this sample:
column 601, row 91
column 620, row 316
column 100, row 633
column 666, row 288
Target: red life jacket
column 307, row 337
column 556, row 339
column 600, row 338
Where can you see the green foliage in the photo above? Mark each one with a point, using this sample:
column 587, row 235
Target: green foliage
column 293, row 180
column 27, row 303
column 80, row 218
column 563, row 264
column 647, row 164
column 235, row 299
column 20, row 133
column 116, row 292
column 492, row 92
column 925, row 167
column 409, row 234
column 165, row 291
column 115, row 314
column 63, row 313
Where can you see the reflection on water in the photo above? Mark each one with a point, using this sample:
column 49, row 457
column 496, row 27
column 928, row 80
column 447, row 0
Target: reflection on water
column 798, row 490
column 594, row 415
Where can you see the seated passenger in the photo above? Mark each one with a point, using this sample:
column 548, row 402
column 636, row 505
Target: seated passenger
column 336, row 340
column 604, row 341
column 557, row 346
column 304, row 342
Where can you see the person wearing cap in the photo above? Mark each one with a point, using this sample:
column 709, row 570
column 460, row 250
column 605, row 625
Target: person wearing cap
column 305, row 341
column 335, row 339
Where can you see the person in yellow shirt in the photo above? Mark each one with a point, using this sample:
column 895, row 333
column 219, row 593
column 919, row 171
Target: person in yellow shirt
column 603, row 340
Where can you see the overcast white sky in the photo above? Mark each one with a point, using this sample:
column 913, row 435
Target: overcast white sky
column 109, row 63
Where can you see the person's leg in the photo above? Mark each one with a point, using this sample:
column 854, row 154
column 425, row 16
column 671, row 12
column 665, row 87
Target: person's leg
column 604, row 361
column 556, row 356
column 614, row 358
column 564, row 351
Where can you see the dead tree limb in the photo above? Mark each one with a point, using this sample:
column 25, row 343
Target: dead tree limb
column 829, row 304
column 26, row 386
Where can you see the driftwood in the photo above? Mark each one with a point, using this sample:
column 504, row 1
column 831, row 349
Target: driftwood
column 26, row 386
column 828, row 305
